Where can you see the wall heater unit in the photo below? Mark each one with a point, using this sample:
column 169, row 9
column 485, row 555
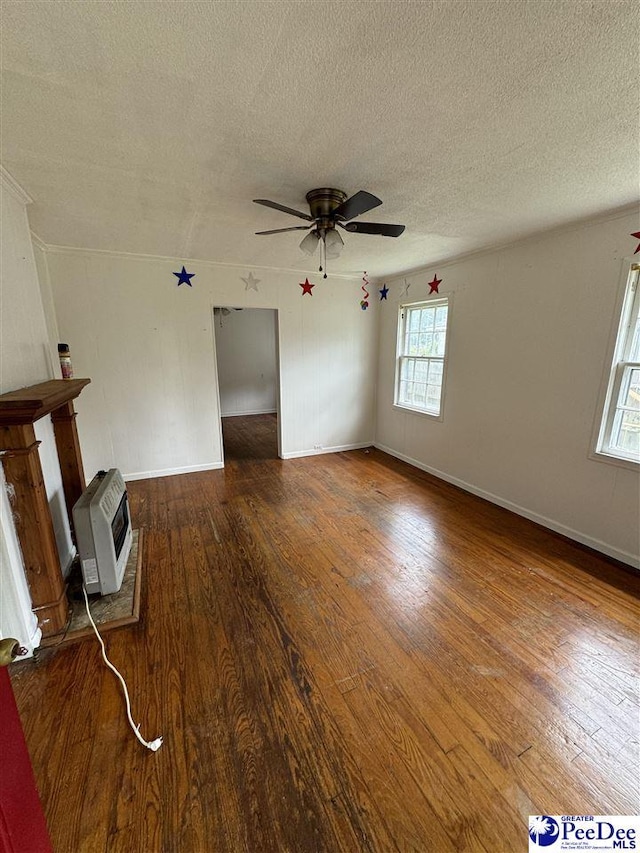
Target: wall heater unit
column 103, row 532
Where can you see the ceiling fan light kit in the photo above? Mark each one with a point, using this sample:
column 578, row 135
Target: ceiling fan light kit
column 334, row 244
column 330, row 208
column 310, row 242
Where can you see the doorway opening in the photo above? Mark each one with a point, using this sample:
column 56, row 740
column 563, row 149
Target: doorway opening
column 246, row 341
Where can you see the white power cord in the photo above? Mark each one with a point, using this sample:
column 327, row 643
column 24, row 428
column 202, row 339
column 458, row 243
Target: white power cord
column 154, row 745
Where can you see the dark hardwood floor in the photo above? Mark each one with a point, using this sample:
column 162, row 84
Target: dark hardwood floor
column 342, row 654
column 251, row 437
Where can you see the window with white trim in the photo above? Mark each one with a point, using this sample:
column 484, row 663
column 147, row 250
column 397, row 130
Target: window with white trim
column 620, row 429
column 421, row 355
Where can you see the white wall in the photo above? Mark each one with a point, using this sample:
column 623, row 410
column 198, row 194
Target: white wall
column 25, row 359
column 246, row 358
column 148, row 346
column 48, row 309
column 530, row 326
column 44, row 428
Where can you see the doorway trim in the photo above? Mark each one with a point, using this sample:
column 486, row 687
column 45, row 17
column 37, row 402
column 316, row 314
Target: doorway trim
column 276, row 314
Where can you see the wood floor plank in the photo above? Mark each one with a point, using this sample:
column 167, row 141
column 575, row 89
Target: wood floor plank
column 343, row 655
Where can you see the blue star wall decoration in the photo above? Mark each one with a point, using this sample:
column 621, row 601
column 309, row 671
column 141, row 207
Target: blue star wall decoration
column 184, row 277
column 383, row 292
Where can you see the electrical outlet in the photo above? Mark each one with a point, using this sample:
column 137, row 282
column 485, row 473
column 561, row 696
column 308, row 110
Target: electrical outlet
column 317, row 447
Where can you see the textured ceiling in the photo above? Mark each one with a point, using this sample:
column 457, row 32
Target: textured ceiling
column 148, row 127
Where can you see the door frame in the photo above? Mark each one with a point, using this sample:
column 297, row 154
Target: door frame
column 276, row 313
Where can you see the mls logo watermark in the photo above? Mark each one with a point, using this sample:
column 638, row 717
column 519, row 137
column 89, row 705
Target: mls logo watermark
column 543, row 831
column 586, row 833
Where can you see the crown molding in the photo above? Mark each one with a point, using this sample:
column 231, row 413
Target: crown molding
column 38, row 241
column 11, row 185
column 574, row 225
column 56, row 249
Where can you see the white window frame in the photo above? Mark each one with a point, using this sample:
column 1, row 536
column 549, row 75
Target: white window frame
column 403, row 312
column 619, row 371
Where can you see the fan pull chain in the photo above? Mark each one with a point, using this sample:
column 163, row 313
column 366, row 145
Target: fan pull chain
column 323, row 256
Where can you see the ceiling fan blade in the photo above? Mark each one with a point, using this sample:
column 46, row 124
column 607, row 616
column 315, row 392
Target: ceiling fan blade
column 359, row 203
column 382, row 228
column 276, row 206
column 280, row 230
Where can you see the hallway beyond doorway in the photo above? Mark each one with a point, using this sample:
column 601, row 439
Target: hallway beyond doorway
column 250, row 437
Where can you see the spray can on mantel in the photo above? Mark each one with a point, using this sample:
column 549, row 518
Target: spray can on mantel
column 65, row 361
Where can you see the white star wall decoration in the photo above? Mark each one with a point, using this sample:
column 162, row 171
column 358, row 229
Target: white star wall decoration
column 251, row 283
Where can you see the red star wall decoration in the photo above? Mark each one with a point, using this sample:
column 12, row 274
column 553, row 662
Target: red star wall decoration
column 636, row 234
column 306, row 287
column 433, row 285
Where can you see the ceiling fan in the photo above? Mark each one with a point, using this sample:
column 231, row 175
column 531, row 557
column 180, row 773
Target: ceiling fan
column 328, row 208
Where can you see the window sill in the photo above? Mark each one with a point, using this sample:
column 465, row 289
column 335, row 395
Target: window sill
column 619, row 461
column 423, row 412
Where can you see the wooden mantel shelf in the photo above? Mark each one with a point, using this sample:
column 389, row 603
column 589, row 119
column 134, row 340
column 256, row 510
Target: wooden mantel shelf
column 27, row 405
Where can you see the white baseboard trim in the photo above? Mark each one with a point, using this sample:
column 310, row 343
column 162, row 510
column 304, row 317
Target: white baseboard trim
column 170, row 472
column 632, row 560
column 298, row 454
column 252, row 412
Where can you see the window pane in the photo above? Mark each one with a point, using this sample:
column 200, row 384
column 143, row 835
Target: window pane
column 435, row 373
column 427, row 316
column 631, row 389
column 634, row 354
column 433, row 395
column 406, row 368
column 420, row 325
column 627, row 433
column 421, row 371
column 419, row 339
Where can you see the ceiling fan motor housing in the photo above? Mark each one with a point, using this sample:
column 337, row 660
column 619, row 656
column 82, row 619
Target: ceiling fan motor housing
column 330, row 207
column 323, row 201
